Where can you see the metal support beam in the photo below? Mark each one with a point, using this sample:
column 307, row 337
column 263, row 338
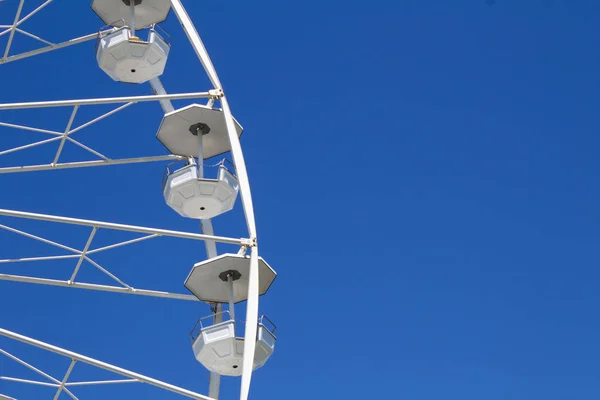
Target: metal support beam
column 159, row 89
column 57, row 46
column 38, row 371
column 102, row 365
column 65, row 378
column 246, row 195
column 101, row 288
column 118, row 227
column 13, row 28
column 86, row 164
column 107, row 100
column 214, row 380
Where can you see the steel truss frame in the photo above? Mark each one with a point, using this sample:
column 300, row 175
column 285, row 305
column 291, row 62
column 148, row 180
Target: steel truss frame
column 65, row 385
column 84, row 255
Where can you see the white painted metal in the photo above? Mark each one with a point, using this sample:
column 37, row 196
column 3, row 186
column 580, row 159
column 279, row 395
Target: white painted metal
column 204, row 282
column 148, row 12
column 194, row 197
column 21, row 31
column 113, row 246
column 11, row 379
column 200, row 153
column 119, row 227
column 75, row 142
column 31, row 14
column 100, row 118
column 28, row 128
column 174, row 132
column 108, row 100
column 64, row 136
column 36, row 370
column 84, row 164
column 231, row 296
column 102, row 365
column 12, row 30
column 232, row 136
column 83, row 254
column 101, row 288
column 66, row 377
column 240, row 165
column 132, row 17
column 219, row 350
column 90, row 383
column 159, row 89
column 57, row 46
column 214, row 380
column 126, row 58
column 30, row 145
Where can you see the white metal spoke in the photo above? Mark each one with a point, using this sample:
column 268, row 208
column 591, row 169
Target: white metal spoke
column 88, row 383
column 108, row 114
column 34, row 369
column 95, row 264
column 21, row 31
column 28, row 146
column 86, row 164
column 118, row 227
column 46, row 49
column 83, row 254
column 29, row 128
column 11, row 379
column 107, row 100
column 41, row 239
column 66, row 377
column 47, row 258
column 103, row 365
column 112, row 382
column 65, row 134
column 159, row 89
column 12, row 29
column 101, row 288
column 112, row 246
column 31, row 14
column 31, row 367
column 5, row 32
column 87, row 148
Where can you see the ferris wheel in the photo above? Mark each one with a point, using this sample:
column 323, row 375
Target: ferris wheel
column 132, row 48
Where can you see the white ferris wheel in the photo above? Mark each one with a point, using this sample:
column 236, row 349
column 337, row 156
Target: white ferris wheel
column 132, row 48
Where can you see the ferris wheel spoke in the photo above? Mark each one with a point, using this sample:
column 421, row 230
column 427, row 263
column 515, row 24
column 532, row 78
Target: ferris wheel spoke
column 108, row 114
column 95, row 264
column 30, row 145
column 31, row 14
column 13, row 28
column 245, row 276
column 39, row 238
column 29, row 128
column 36, row 370
column 76, row 357
column 83, row 254
column 31, row 35
column 86, row 164
column 94, row 152
column 65, row 134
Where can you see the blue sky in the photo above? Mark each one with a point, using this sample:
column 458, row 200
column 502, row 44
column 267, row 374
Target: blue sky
column 424, row 176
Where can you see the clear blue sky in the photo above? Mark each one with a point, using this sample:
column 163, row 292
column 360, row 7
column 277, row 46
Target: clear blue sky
column 425, row 177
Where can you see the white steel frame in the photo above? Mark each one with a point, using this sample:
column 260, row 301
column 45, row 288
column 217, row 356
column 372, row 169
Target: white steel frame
column 64, row 385
column 160, row 95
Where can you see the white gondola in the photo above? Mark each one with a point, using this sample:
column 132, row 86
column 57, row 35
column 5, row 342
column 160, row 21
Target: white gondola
column 224, row 279
column 193, row 196
column 126, row 58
